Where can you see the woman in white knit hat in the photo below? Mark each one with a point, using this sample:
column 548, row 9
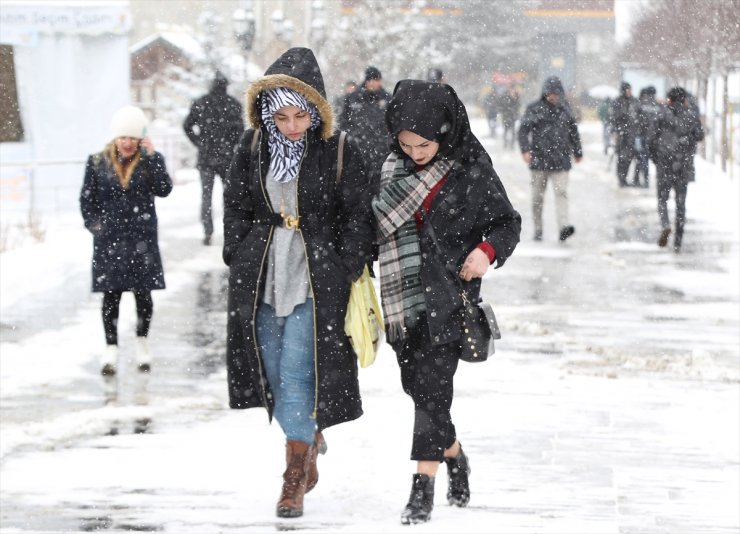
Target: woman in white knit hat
column 117, row 204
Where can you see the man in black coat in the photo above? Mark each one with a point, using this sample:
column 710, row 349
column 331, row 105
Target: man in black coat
column 363, row 118
column 214, row 125
column 672, row 147
column 624, row 123
column 647, row 115
column 548, row 136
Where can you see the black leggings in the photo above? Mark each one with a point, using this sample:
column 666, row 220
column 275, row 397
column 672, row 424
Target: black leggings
column 427, row 373
column 144, row 310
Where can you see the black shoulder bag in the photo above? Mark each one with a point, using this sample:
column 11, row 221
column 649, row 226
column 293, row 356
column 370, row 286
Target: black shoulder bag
column 479, row 328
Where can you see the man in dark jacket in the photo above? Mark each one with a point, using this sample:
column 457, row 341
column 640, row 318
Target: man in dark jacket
column 623, row 118
column 509, row 108
column 647, row 114
column 677, row 131
column 363, row 118
column 548, row 136
column 214, row 125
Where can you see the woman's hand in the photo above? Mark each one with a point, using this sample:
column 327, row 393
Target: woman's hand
column 475, row 266
column 147, row 147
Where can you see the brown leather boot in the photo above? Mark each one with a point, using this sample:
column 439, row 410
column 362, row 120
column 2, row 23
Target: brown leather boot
column 312, row 470
column 294, row 479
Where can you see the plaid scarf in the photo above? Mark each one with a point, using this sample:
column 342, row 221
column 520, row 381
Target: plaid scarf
column 401, row 195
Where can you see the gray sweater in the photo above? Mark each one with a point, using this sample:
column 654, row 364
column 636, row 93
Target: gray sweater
column 286, row 283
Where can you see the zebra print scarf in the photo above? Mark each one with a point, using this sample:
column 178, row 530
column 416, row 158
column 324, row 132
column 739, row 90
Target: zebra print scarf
column 285, row 155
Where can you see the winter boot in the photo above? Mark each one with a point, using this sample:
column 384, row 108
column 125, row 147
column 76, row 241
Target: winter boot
column 663, row 239
column 566, row 232
column 109, row 360
column 294, row 479
column 458, row 490
column 143, row 356
column 312, row 470
column 421, row 500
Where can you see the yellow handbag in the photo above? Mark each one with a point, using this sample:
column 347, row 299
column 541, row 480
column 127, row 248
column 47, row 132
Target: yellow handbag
column 363, row 323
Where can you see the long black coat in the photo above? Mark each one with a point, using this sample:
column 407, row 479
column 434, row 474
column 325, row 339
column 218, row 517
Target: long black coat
column 550, row 133
column 471, row 207
column 124, row 223
column 335, row 224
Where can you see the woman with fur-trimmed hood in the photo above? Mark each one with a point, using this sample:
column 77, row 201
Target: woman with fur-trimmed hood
column 296, row 235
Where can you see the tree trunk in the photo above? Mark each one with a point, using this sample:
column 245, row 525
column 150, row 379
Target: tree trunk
column 723, row 150
column 702, row 96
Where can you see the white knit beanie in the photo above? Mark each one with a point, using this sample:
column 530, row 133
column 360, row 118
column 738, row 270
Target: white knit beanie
column 129, row 121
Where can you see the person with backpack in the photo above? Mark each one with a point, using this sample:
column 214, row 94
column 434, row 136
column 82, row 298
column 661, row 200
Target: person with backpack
column 297, row 233
column 677, row 131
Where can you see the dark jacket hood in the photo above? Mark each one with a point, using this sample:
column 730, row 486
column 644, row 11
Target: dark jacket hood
column 296, row 69
column 553, row 85
column 433, row 111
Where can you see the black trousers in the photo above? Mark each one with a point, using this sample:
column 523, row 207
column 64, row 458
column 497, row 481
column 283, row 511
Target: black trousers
column 625, row 155
column 144, row 310
column 427, row 373
column 207, row 179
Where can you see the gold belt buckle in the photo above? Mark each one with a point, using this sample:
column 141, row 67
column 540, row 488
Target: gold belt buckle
column 290, row 222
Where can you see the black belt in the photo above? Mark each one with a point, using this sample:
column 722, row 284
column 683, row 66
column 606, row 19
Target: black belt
column 275, row 219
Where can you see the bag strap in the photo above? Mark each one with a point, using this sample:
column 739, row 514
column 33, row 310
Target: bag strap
column 340, row 155
column 255, row 140
column 427, row 224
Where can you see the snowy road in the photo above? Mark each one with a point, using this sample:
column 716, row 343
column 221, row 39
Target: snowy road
column 611, row 406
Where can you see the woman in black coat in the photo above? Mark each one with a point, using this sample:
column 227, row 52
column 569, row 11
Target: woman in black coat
column 117, row 204
column 295, row 237
column 438, row 181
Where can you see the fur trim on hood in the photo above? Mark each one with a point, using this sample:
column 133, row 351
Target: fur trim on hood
column 296, row 69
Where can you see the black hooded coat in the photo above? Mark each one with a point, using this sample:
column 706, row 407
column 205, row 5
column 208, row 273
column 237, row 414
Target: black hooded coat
column 471, row 207
column 549, row 131
column 335, row 224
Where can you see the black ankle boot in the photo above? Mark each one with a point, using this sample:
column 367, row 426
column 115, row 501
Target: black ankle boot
column 458, row 490
column 421, row 500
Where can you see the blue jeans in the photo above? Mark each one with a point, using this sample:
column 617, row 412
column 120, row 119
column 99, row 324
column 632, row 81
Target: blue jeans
column 287, row 347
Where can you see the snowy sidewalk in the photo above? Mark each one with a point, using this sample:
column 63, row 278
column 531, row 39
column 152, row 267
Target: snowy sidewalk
column 611, row 406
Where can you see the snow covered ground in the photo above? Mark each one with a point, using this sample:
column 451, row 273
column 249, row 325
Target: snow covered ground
column 611, row 406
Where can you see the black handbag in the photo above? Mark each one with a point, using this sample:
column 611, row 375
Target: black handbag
column 479, row 328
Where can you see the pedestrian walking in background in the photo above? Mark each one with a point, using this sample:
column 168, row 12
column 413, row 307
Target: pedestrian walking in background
column 624, row 121
column 117, row 205
column 295, row 238
column 647, row 115
column 213, row 125
column 548, row 138
column 438, row 180
column 677, row 131
column 363, row 119
column 490, row 105
column 350, row 86
column 509, row 108
column 603, row 112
